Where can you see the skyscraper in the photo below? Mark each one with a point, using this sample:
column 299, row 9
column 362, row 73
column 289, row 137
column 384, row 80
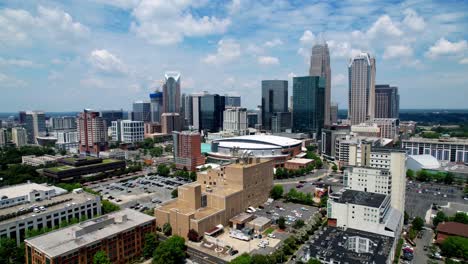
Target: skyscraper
column 274, row 99
column 141, row 111
column 333, row 113
column 156, row 106
column 387, row 101
column 111, row 115
column 3, row 137
column 171, row 92
column 63, row 123
column 187, row 150
column 19, row 136
column 211, row 108
column 235, row 121
column 309, row 98
column 92, row 132
column 35, row 125
column 361, row 101
column 233, row 100
column 320, row 66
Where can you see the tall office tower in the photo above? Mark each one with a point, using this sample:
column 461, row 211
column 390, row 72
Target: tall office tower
column 187, row 150
column 170, row 122
column 320, row 66
column 195, row 120
column 3, row 137
column 252, row 119
column 22, row 117
column 361, row 101
column 128, row 131
column 333, row 113
column 19, row 136
column 235, row 121
column 92, row 132
column 63, row 123
column 111, row 115
column 188, row 110
column 211, row 108
column 183, row 100
column 281, row 121
column 171, row 91
column 232, row 100
column 156, row 106
column 35, row 125
column 141, row 111
column 274, row 99
column 309, row 98
column 387, row 101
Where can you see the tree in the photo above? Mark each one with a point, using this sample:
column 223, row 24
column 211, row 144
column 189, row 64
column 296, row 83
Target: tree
column 439, row 218
column 193, row 235
column 334, row 168
column 455, row 247
column 151, row 243
column 298, row 223
column 260, row 259
column 170, row 251
column 175, row 193
column 101, row 258
column 7, row 250
column 324, row 201
column 281, row 223
column 405, row 218
column 168, row 148
column 108, row 207
column 418, row 223
column 156, row 152
column 449, row 178
column 163, row 170
column 242, row 259
column 460, row 217
column 276, row 192
column 313, row 261
column 193, row 176
column 167, row 229
column 410, row 174
column 422, row 175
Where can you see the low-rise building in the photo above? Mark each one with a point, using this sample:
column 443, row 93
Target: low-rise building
column 27, row 193
column 217, row 196
column 296, row 163
column 33, row 160
column 66, row 139
column 47, row 213
column 449, row 229
column 444, row 149
column 120, row 234
column 75, row 168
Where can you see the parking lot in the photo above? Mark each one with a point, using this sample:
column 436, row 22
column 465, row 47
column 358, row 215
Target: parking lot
column 142, row 193
column 290, row 211
column 420, row 196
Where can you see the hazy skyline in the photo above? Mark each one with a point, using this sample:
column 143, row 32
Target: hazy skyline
column 66, row 56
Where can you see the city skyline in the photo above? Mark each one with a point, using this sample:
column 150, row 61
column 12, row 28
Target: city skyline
column 120, row 50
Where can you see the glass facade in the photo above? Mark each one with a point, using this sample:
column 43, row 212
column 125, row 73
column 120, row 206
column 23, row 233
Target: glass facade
column 141, row 111
column 274, row 100
column 211, row 112
column 308, row 100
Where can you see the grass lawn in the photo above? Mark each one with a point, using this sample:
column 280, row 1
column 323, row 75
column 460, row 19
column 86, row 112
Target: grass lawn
column 269, row 231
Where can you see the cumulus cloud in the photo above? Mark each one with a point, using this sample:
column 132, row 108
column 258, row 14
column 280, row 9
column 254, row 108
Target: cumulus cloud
column 464, row 61
column 397, row 51
column 273, row 43
column 307, row 38
column 339, row 79
column 106, row 62
column 228, row 50
column 167, row 22
column 267, row 60
column 413, row 20
column 291, row 75
column 384, row 26
column 342, row 49
column 444, row 47
column 11, row 82
column 17, row 63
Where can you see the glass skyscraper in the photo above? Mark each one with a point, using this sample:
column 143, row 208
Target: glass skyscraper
column 212, row 107
column 171, row 92
column 141, row 111
column 309, row 100
column 274, row 100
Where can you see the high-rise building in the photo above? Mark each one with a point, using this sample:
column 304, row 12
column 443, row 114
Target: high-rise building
column 309, row 97
column 233, row 100
column 22, row 117
column 111, row 115
column 187, row 150
column 170, row 122
column 320, row 66
column 63, row 123
column 141, row 111
column 387, row 101
column 19, row 136
column 235, row 121
column 252, row 119
column 361, row 101
column 35, row 125
column 92, row 132
column 171, row 92
column 66, row 139
column 333, row 113
column 194, row 104
column 211, row 112
column 274, row 99
column 3, row 137
column 156, row 106
column 281, row 121
column 128, row 131
column 329, row 136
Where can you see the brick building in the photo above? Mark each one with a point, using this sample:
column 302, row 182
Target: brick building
column 92, row 133
column 187, row 150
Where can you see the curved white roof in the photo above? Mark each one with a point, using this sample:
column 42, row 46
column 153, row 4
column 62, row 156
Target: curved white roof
column 426, row 161
column 258, row 141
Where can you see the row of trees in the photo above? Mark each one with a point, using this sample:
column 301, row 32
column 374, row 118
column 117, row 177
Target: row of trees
column 424, row 176
column 459, row 217
column 283, row 173
column 12, row 155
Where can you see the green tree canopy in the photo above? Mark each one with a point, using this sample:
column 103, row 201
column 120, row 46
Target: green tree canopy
column 418, row 223
column 281, row 222
column 167, row 229
column 101, row 258
column 170, row 251
column 242, row 259
column 151, row 243
column 108, row 207
column 455, row 247
column 277, row 192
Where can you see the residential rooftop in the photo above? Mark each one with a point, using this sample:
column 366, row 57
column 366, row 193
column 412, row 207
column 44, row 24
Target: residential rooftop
column 72, row 238
column 342, row 246
column 362, row 198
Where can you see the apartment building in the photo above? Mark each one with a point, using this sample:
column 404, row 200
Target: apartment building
column 444, row 149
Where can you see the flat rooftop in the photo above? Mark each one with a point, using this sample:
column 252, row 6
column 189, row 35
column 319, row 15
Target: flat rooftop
column 60, row 200
column 74, row 237
column 438, row 140
column 362, row 198
column 299, row 161
column 333, row 243
column 26, row 188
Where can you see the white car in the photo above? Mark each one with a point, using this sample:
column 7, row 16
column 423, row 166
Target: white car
column 251, row 209
column 271, row 235
column 248, row 210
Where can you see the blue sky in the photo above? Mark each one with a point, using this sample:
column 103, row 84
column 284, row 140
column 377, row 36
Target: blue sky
column 104, row 54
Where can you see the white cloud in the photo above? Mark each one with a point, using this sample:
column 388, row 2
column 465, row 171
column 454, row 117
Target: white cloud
column 342, row 49
column 104, row 61
column 307, row 38
column 20, row 27
column 291, row 75
column 445, row 47
column 228, row 50
column 167, row 22
column 92, row 82
column 397, row 51
column 384, row 26
column 11, row 82
column 464, row 61
column 267, row 60
column 339, row 79
column 413, row 20
column 17, row 62
column 273, row 43
column 254, row 49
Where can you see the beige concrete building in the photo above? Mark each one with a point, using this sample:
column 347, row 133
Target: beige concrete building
column 217, row 196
